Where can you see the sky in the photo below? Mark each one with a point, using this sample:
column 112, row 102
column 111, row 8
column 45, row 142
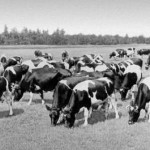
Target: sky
column 103, row 17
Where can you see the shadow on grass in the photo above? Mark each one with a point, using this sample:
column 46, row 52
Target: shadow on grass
column 97, row 116
column 5, row 114
column 38, row 101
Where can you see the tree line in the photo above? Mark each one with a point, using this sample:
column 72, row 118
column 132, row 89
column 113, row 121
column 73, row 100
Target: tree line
column 59, row 37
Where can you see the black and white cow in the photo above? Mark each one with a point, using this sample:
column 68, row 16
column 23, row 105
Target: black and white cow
column 39, row 80
column 132, row 76
column 143, row 52
column 140, row 102
column 14, row 74
column 13, row 61
column 87, row 94
column 36, row 63
column 62, row 95
column 91, row 67
column 118, row 53
column 5, row 94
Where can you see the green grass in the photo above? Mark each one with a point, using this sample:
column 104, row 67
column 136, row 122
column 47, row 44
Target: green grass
column 29, row 128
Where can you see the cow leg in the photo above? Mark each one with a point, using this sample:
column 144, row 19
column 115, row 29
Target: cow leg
column 90, row 112
column 10, row 108
column 42, row 96
column 113, row 101
column 31, row 97
column 86, row 115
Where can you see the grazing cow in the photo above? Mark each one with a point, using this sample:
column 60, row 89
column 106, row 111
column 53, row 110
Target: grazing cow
column 118, row 53
column 143, row 52
column 39, row 80
column 88, row 94
column 142, row 98
column 5, row 94
column 62, row 95
column 132, row 76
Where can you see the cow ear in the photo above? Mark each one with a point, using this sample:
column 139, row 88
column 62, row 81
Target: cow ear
column 48, row 107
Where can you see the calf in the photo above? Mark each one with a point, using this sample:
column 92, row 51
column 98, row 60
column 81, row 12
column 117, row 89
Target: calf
column 143, row 97
column 39, row 80
column 87, row 94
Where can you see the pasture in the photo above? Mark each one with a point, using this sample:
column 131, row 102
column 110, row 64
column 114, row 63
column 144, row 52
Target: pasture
column 29, row 128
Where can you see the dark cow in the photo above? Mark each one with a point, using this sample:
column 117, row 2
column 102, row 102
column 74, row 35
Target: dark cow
column 132, row 76
column 5, row 94
column 39, row 80
column 88, row 94
column 142, row 98
column 62, row 95
column 143, row 52
column 118, row 53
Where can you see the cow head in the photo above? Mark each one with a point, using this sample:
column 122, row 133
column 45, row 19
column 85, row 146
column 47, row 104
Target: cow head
column 111, row 55
column 69, row 117
column 54, row 114
column 129, row 80
column 133, row 113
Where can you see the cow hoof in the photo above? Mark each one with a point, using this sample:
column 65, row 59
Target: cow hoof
column 84, row 125
column 10, row 114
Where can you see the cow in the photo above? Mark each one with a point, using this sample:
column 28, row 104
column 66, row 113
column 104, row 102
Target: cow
column 140, row 102
column 13, row 61
column 5, row 94
column 143, row 52
column 14, row 74
column 88, row 94
column 62, row 95
column 9, row 62
column 130, row 52
column 39, row 80
column 36, row 63
column 132, row 76
column 118, row 53
column 90, row 67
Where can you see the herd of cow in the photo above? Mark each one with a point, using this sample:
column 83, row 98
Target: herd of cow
column 79, row 84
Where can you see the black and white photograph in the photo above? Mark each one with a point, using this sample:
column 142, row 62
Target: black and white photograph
column 74, row 74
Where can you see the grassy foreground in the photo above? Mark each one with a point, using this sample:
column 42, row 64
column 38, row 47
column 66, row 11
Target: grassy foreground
column 29, row 128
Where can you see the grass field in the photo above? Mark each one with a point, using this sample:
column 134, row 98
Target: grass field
column 29, row 128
